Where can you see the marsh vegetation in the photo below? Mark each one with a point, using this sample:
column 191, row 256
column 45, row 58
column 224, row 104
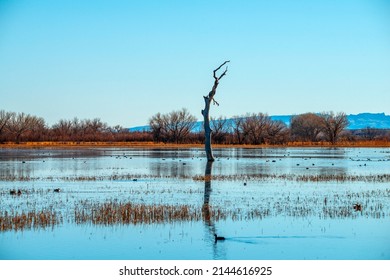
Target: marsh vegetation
column 180, row 126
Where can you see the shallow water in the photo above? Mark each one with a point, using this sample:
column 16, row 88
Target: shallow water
column 266, row 210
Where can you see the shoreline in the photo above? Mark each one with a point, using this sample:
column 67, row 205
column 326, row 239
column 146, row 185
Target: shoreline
column 152, row 145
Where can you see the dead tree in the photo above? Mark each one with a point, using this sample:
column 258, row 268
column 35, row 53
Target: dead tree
column 206, row 110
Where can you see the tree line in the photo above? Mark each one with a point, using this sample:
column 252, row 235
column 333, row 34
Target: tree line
column 255, row 128
column 179, row 127
column 21, row 127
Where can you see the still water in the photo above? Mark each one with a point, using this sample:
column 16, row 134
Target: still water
column 285, row 203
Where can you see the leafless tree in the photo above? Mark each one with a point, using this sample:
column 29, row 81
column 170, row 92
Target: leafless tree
column 62, row 130
column 220, row 129
column 157, row 127
column 81, row 130
column 256, row 127
column 119, row 133
column 93, row 129
column 333, row 125
column 237, row 127
column 38, row 129
column 369, row 133
column 172, row 127
column 179, row 125
column 306, row 127
column 206, row 111
column 21, row 123
column 277, row 132
column 5, row 117
column 77, row 130
column 117, row 129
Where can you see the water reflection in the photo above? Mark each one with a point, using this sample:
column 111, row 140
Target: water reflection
column 186, row 163
column 210, row 226
column 218, row 250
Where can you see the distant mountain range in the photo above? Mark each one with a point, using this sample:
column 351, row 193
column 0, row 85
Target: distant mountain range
column 359, row 121
column 365, row 120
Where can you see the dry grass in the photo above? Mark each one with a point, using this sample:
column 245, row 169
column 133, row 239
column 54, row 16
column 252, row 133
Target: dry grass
column 342, row 144
column 128, row 213
column 73, row 145
column 330, row 206
column 380, row 178
column 370, row 178
column 111, row 213
column 152, row 145
column 29, row 220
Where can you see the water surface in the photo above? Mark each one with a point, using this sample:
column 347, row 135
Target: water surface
column 267, row 203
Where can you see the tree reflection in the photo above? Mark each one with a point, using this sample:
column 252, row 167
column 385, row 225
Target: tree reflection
column 218, row 253
column 206, row 202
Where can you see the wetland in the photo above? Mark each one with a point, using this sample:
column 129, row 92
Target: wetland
column 151, row 203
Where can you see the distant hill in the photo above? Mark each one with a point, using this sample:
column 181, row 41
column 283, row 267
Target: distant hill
column 359, row 121
column 365, row 120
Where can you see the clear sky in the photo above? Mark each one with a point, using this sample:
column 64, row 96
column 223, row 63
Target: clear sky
column 124, row 61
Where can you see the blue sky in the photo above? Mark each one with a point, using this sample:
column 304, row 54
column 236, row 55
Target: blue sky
column 124, row 61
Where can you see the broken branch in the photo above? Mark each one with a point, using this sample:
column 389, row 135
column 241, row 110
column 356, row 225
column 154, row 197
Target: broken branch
column 220, row 66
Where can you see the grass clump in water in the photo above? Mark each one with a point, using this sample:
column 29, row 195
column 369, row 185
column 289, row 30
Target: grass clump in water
column 28, row 220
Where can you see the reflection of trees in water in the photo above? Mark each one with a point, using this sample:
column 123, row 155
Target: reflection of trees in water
column 35, row 164
column 170, row 167
column 218, row 252
column 13, row 171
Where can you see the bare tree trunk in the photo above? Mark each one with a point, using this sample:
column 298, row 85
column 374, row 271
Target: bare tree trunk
column 206, row 110
column 207, row 130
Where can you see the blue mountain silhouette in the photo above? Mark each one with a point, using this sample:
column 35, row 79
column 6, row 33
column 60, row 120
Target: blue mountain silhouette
column 359, row 121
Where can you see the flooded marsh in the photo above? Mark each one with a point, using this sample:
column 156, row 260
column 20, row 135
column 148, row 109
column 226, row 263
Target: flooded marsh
column 122, row 203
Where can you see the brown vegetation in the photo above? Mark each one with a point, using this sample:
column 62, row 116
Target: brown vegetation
column 159, row 145
column 370, row 178
column 29, row 220
column 173, row 127
column 380, row 178
column 128, row 213
column 176, row 127
column 368, row 203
